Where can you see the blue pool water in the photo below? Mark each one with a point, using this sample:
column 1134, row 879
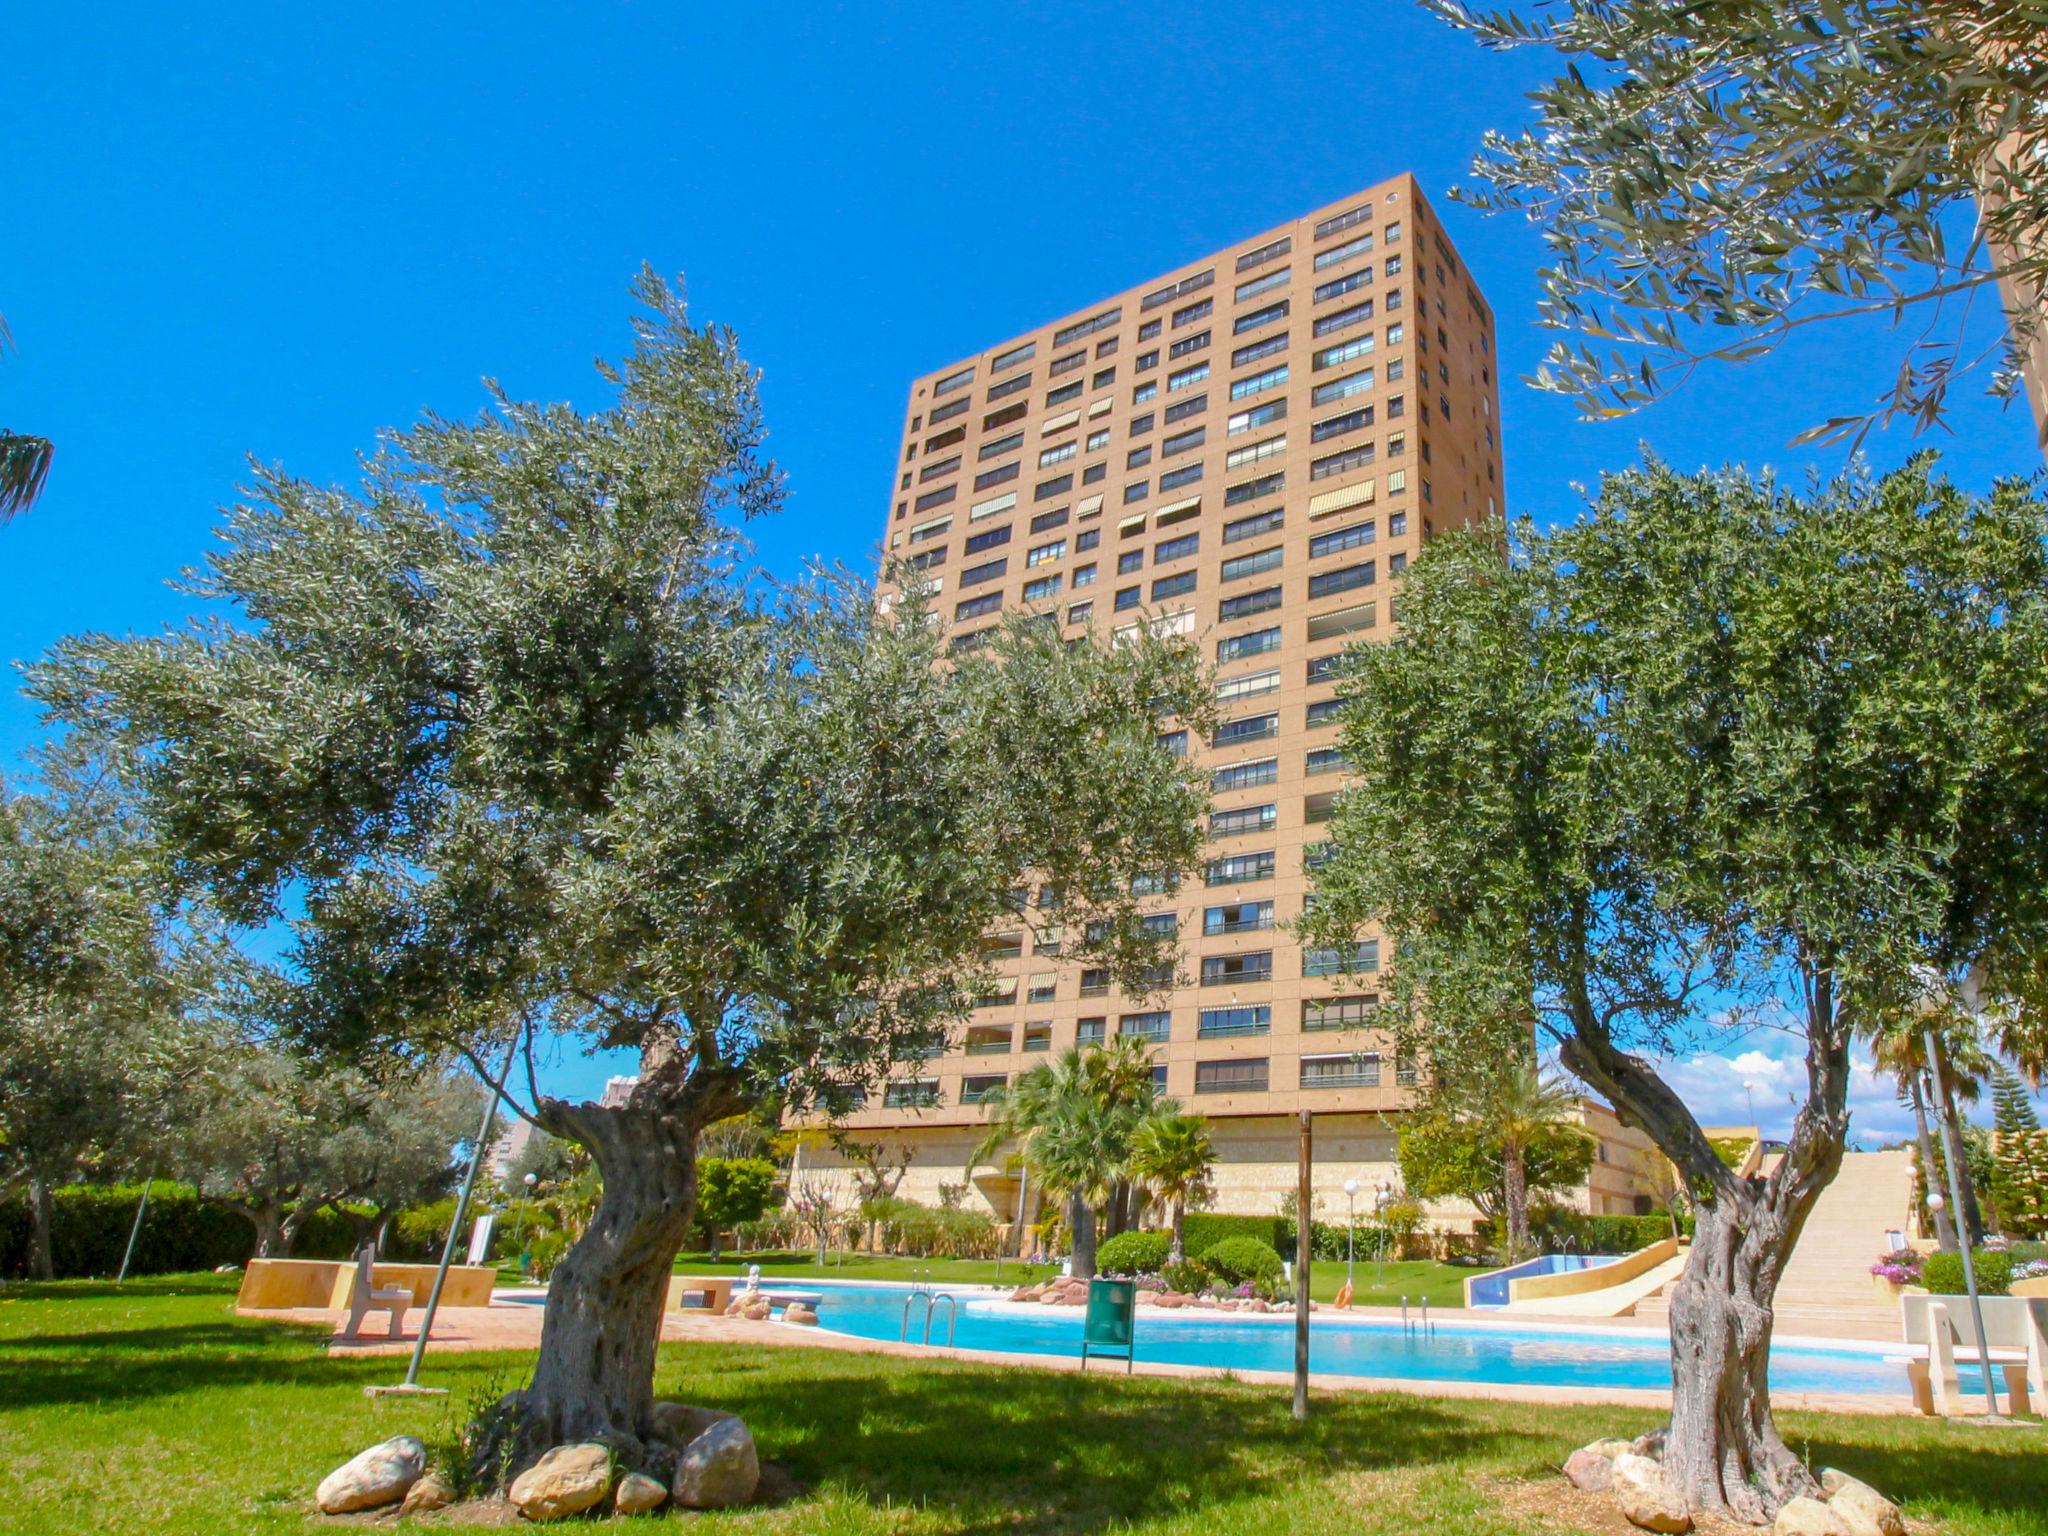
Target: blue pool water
column 1354, row 1347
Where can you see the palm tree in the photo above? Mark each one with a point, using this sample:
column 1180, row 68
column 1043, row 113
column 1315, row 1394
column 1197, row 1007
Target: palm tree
column 1172, row 1155
column 24, row 460
column 1899, row 1046
column 1517, row 1105
column 1074, row 1119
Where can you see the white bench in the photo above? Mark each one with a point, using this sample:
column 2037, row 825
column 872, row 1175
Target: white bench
column 364, row 1298
column 2016, row 1344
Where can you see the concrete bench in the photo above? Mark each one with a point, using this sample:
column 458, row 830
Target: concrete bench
column 2015, row 1342
column 365, row 1297
column 713, row 1292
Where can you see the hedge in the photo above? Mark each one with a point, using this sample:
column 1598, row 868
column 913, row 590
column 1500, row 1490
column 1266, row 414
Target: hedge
column 1942, row 1272
column 1133, row 1253
column 89, row 1227
column 1202, row 1230
column 1236, row 1260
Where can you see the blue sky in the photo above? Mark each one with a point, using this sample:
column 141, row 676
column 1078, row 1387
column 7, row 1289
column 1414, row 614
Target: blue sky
column 268, row 231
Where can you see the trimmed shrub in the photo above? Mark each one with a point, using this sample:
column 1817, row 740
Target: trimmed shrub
column 1237, row 1260
column 1133, row 1253
column 1202, row 1230
column 1942, row 1273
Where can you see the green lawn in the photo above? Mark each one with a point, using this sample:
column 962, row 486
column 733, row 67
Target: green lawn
column 1443, row 1284
column 154, row 1409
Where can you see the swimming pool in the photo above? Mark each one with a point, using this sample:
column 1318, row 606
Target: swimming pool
column 1452, row 1352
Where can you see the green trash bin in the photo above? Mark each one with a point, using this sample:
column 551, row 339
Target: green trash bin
column 1111, row 1321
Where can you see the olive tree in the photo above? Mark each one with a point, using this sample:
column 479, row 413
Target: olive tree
column 1718, row 753
column 1711, row 178
column 508, row 734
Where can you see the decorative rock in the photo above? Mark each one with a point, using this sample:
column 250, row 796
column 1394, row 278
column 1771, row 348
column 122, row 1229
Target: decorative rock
column 757, row 1309
column 1050, row 1297
column 1589, row 1471
column 1026, row 1293
column 383, row 1474
column 736, row 1307
column 433, row 1491
column 719, row 1469
column 680, row 1423
column 1646, row 1500
column 566, row 1481
column 1652, row 1444
column 1613, row 1448
column 1860, row 1508
column 638, row 1493
column 1806, row 1517
column 1169, row 1299
column 800, row 1314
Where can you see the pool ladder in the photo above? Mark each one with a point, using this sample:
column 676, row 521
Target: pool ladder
column 931, row 1300
column 1413, row 1327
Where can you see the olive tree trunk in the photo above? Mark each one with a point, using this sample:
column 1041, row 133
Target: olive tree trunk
column 42, row 1261
column 594, row 1380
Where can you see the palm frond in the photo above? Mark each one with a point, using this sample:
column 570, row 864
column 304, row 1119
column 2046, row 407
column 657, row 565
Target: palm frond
column 24, row 467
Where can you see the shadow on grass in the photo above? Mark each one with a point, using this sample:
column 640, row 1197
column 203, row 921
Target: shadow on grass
column 1041, row 1452
column 1941, row 1466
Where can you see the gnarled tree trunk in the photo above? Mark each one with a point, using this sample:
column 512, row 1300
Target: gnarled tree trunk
column 594, row 1380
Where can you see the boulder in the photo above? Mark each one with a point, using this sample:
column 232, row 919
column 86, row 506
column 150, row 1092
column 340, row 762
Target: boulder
column 736, row 1307
column 382, row 1475
column 1051, row 1296
column 800, row 1313
column 1860, row 1508
column 719, row 1469
column 638, row 1493
column 1169, row 1299
column 433, row 1491
column 680, row 1423
column 1645, row 1499
column 1613, row 1448
column 1652, row 1444
column 1589, row 1471
column 1026, row 1293
column 757, row 1309
column 566, row 1481
column 1806, row 1517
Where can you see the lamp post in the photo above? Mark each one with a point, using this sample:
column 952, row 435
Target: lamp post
column 1379, row 1210
column 1350, row 1226
column 1955, row 1195
column 526, row 1252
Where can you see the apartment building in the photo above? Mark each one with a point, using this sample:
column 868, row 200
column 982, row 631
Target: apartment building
column 1248, row 450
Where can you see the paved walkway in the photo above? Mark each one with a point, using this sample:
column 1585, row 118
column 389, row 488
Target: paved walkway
column 512, row 1325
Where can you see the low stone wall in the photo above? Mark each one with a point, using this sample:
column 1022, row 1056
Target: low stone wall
column 270, row 1285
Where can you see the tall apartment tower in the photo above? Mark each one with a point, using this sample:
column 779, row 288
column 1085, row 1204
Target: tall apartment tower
column 1249, row 450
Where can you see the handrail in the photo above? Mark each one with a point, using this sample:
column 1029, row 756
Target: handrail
column 952, row 1316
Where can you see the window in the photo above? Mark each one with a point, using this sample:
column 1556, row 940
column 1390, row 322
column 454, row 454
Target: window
column 997, row 476
column 1175, row 743
column 1044, row 587
column 1270, row 251
column 1343, row 621
column 1339, row 539
column 1056, row 550
column 1251, row 288
column 1181, row 442
column 1182, row 410
column 1341, row 463
column 1079, row 613
column 1002, row 418
column 1222, row 1023
column 1317, row 809
column 1255, row 525
column 1337, row 255
column 1345, row 351
column 1254, row 490
column 1137, row 458
column 1324, row 712
column 975, row 607
column 1176, row 549
column 1343, row 319
column 1058, row 455
column 1224, row 970
column 1173, row 586
column 1102, row 378
column 1253, row 564
column 1089, row 1032
column 943, row 440
column 1094, row 981
column 1144, row 392
column 1046, row 520
column 1359, row 1071
column 1007, row 387
column 1181, row 289
column 912, row 1092
column 939, row 497
column 1349, row 219
column 1238, row 917
column 1250, row 728
column 1084, row 575
column 1362, row 956
column 1153, row 1027
column 1059, row 485
column 1252, row 453
column 1066, row 364
column 1044, row 984
column 1396, row 563
column 1251, row 685
column 1098, row 440
column 1130, row 560
column 1258, row 317
column 931, row 528
column 1253, row 352
column 1010, row 359
column 1257, row 416
column 1258, row 383
column 1344, row 579
column 1246, row 604
column 927, row 560
column 1129, row 597
column 1001, row 993
column 975, row 575
column 1337, row 287
column 953, row 381
column 1187, row 378
column 1397, row 523
column 1062, row 395
column 1326, row 1013
column 1088, row 538
column 948, row 411
column 1342, row 389
column 1187, row 346
column 1327, row 760
column 976, row 543
column 982, row 1089
column 1239, row 868
column 1252, row 818
column 1174, row 479
column 1265, row 770
column 1147, row 360
column 1137, row 490
column 1038, row 1037
column 1088, row 327
column 1189, row 314
column 997, row 447
column 992, row 506
column 1323, row 669
column 1230, row 1076
column 1239, row 647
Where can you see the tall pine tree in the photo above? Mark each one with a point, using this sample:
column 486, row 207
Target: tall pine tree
column 2012, row 1107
